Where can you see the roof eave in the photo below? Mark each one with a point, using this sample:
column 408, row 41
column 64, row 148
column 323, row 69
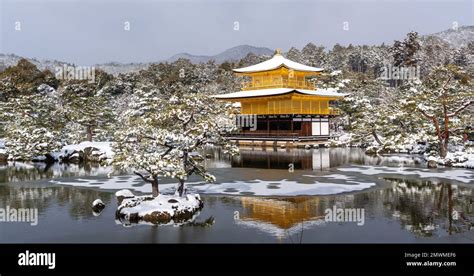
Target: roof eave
column 238, row 70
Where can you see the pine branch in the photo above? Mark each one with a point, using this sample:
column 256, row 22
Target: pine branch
column 460, row 109
column 145, row 178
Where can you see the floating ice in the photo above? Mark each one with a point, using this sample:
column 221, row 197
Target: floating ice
column 460, row 175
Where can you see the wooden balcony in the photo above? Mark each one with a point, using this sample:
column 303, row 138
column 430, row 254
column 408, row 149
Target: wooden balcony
column 279, row 83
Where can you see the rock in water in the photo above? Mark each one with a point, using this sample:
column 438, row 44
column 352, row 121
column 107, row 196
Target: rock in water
column 432, row 164
column 163, row 209
column 97, row 207
column 123, row 194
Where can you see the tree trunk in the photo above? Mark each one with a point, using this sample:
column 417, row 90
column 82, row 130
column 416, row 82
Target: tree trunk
column 450, row 209
column 443, row 148
column 376, row 137
column 181, row 187
column 154, row 187
column 89, row 133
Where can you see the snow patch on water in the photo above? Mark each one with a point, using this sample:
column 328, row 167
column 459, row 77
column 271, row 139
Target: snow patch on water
column 257, row 187
column 460, row 175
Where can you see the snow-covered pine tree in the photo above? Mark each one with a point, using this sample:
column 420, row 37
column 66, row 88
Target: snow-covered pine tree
column 87, row 105
column 441, row 99
column 33, row 125
column 295, row 55
column 314, row 55
column 405, row 52
column 163, row 135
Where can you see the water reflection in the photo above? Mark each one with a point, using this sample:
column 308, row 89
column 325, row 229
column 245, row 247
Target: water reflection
column 266, row 158
column 22, row 172
column 419, row 208
column 423, row 208
column 400, row 208
column 77, row 202
column 313, row 159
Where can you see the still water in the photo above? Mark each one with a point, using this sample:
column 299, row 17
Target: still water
column 272, row 196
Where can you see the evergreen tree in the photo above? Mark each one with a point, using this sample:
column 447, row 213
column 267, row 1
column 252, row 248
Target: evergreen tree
column 33, row 126
column 162, row 135
column 441, row 99
column 87, row 105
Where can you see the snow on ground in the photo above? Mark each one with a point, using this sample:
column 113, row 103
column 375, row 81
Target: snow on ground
column 124, row 193
column 460, row 175
column 105, row 148
column 164, row 203
column 459, row 159
column 344, row 139
column 2, row 147
column 258, row 187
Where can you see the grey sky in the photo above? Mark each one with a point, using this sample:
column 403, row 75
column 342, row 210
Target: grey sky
column 87, row 32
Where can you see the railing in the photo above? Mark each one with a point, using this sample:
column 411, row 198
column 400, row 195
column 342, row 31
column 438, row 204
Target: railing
column 280, row 83
column 334, row 111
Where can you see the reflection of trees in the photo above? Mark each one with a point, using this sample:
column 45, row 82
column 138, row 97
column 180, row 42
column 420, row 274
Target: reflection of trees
column 22, row 172
column 78, row 201
column 425, row 207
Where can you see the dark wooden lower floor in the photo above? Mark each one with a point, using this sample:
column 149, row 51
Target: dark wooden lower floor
column 285, row 126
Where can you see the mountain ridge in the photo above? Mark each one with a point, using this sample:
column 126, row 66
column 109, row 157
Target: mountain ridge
column 456, row 38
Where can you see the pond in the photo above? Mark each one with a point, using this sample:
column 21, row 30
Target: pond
column 261, row 196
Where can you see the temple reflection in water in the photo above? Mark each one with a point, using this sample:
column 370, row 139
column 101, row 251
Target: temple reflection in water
column 281, row 217
column 423, row 208
column 273, row 158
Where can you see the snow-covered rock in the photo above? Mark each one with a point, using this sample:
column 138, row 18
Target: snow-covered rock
column 97, row 207
column 342, row 140
column 98, row 203
column 44, row 88
column 86, row 151
column 460, row 158
column 3, row 152
column 163, row 209
column 122, row 194
column 432, row 162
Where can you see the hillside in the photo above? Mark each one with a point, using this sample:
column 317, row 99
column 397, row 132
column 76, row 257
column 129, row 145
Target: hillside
column 456, row 38
column 232, row 54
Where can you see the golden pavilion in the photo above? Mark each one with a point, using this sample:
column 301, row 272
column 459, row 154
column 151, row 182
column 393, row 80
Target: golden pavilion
column 284, row 99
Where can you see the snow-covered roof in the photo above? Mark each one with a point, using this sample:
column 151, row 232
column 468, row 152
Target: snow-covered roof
column 275, row 62
column 279, row 91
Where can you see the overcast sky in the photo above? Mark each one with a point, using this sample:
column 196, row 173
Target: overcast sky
column 93, row 31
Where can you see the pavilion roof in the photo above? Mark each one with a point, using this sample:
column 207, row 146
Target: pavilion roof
column 276, row 62
column 280, row 91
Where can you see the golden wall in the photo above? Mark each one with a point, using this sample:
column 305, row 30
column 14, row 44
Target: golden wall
column 286, row 106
